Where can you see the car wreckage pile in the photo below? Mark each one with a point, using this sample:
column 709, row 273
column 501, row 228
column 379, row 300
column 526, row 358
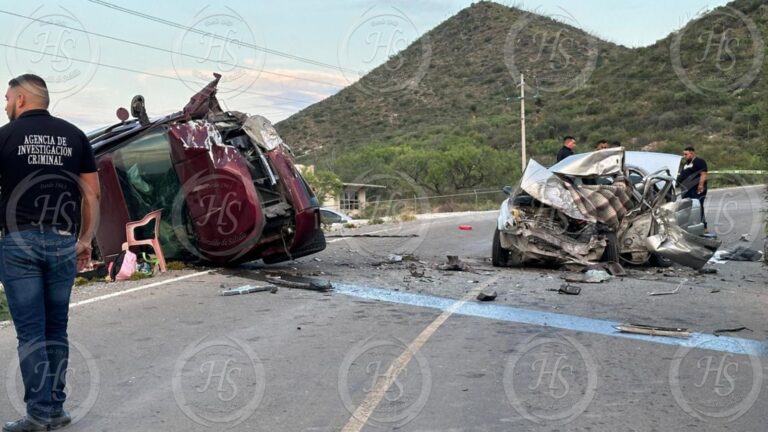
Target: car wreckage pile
column 607, row 205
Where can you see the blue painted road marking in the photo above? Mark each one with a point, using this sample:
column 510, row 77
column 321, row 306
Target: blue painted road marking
column 555, row 320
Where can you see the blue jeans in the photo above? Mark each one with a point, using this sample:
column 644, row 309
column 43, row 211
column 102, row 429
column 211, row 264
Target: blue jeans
column 37, row 268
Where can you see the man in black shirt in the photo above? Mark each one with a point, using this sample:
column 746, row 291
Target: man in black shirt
column 569, row 143
column 49, row 198
column 693, row 178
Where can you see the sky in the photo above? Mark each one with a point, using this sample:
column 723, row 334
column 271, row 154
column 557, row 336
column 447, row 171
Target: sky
column 276, row 57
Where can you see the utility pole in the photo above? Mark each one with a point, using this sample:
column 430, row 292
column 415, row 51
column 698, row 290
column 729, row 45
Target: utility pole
column 522, row 119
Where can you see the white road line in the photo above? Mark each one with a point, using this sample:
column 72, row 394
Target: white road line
column 139, row 288
column 373, row 399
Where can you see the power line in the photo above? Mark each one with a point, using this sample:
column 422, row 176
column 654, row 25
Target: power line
column 166, row 50
column 222, row 38
column 157, row 75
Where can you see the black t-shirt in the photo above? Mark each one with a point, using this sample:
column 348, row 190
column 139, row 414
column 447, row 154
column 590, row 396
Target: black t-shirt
column 690, row 176
column 41, row 159
column 564, row 153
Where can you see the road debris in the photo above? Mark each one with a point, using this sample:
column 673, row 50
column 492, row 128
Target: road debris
column 569, row 289
column 740, row 253
column 708, row 270
column 731, row 330
column 590, row 276
column 395, row 258
column 612, row 267
column 248, row 289
column 674, row 291
column 744, row 237
column 465, row 227
column 455, row 264
column 653, row 330
column 300, row 282
column 485, row 297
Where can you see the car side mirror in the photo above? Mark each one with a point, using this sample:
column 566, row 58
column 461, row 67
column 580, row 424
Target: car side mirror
column 508, row 190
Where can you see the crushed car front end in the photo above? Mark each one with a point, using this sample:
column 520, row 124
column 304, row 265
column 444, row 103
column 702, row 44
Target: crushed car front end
column 600, row 206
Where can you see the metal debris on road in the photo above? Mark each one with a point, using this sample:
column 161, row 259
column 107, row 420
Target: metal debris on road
column 248, row 289
column 730, row 330
column 569, row 289
column 301, row 283
column 612, row 267
column 674, row 291
column 465, row 227
column 484, row 297
column 744, row 237
column 653, row 330
column 395, row 258
column 590, row 276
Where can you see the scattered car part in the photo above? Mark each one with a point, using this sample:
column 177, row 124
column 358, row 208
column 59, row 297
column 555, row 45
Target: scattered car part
column 653, row 330
column 486, row 297
column 569, row 289
column 248, row 289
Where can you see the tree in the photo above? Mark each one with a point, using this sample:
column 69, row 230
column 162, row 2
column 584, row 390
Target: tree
column 324, row 183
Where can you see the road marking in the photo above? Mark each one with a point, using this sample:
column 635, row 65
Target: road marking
column 139, row 288
column 548, row 319
column 373, row 399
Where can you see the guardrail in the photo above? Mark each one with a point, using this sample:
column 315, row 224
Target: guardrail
column 753, row 172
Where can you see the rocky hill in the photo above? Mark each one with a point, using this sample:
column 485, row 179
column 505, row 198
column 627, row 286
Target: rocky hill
column 457, row 85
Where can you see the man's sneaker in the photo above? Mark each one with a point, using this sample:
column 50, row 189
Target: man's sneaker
column 60, row 421
column 25, row 424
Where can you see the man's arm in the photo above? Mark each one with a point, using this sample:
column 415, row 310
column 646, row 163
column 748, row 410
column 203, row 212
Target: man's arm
column 702, row 181
column 90, row 191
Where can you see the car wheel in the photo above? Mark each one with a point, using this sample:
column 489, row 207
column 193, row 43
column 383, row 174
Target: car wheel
column 611, row 252
column 657, row 260
column 499, row 255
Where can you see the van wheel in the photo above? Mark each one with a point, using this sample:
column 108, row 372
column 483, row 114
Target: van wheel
column 499, row 255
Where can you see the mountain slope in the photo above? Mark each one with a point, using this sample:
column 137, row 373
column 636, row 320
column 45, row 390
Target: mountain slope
column 702, row 85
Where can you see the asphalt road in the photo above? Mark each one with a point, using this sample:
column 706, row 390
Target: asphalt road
column 405, row 346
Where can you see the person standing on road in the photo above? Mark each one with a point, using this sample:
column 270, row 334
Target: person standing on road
column 693, row 178
column 49, row 199
column 569, row 143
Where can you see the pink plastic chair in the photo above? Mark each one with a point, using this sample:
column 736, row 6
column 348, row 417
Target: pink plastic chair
column 131, row 240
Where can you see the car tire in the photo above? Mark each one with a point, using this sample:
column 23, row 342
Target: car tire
column 499, row 255
column 315, row 245
column 657, row 260
column 611, row 252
